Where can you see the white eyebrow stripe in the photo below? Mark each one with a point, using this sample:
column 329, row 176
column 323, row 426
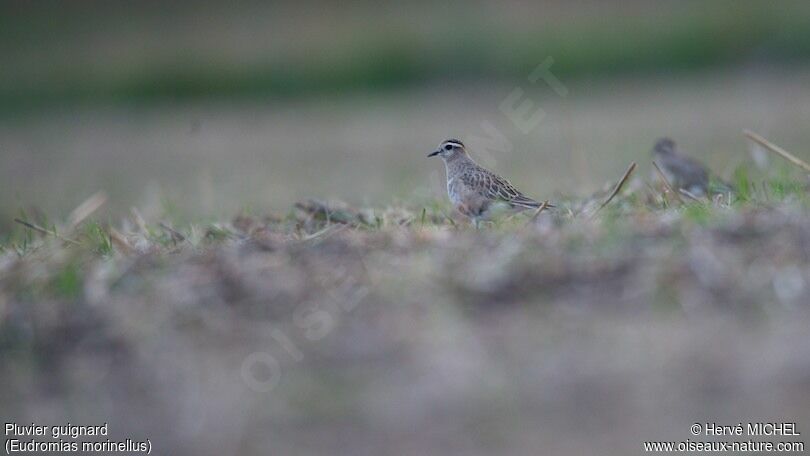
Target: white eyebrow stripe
column 451, row 143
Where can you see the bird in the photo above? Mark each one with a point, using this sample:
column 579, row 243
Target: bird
column 683, row 172
column 476, row 192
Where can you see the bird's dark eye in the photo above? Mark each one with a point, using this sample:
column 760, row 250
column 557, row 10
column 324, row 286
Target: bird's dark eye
column 448, row 147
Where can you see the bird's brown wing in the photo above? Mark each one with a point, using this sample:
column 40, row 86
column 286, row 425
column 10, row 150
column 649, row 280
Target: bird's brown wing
column 689, row 171
column 493, row 187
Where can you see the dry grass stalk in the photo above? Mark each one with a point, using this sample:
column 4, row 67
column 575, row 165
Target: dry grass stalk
column 325, row 233
column 652, row 193
column 176, row 235
column 690, row 195
column 86, row 209
column 540, row 209
column 777, row 150
column 45, row 232
column 618, row 187
column 119, row 241
column 137, row 219
column 666, row 183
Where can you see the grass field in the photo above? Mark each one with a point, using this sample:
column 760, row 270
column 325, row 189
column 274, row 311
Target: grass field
column 208, row 161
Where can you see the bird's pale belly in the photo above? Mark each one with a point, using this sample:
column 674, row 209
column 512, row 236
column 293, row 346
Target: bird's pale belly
column 453, row 193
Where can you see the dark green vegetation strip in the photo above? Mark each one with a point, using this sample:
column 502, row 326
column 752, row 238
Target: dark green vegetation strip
column 711, row 35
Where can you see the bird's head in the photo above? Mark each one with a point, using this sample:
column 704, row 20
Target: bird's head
column 664, row 146
column 449, row 149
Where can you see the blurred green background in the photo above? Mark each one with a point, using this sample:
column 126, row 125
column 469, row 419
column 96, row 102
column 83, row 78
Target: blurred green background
column 207, row 108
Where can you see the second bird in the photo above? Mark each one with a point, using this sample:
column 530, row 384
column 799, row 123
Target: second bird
column 681, row 171
column 475, row 191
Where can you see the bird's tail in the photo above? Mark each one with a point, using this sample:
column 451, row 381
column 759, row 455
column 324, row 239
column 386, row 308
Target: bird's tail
column 529, row 203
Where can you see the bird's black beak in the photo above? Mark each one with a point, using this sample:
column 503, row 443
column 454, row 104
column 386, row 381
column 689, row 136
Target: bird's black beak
column 435, row 153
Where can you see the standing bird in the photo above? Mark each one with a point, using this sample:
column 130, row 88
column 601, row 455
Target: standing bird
column 681, row 171
column 475, row 191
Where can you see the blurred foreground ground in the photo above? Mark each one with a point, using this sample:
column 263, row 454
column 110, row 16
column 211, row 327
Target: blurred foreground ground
column 392, row 332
